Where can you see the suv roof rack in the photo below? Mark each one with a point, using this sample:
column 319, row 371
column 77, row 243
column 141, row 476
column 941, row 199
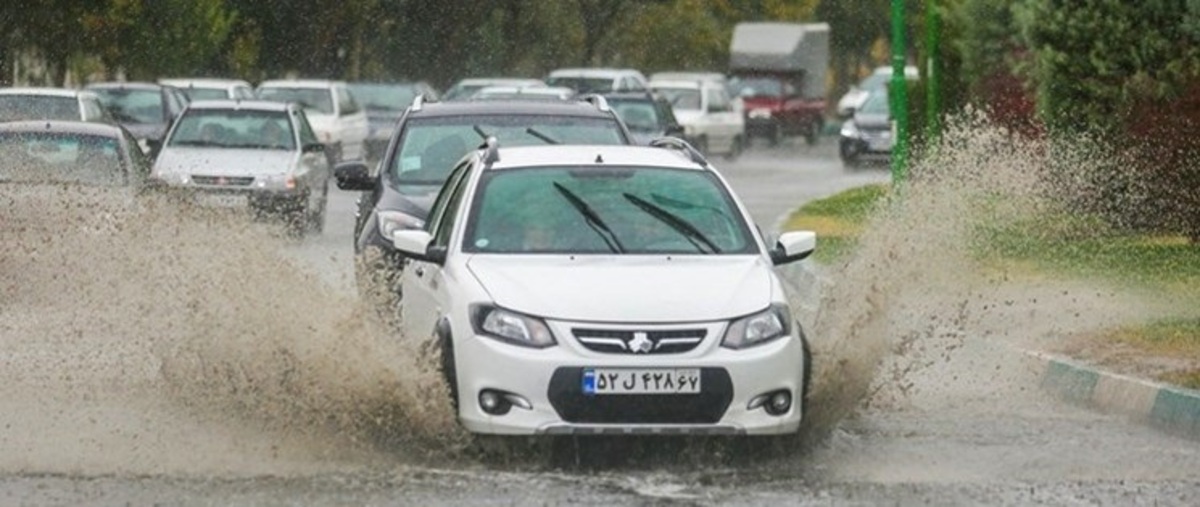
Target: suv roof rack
column 596, row 100
column 492, row 147
column 681, row 145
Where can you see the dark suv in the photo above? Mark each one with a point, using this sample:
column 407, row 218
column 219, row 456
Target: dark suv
column 427, row 142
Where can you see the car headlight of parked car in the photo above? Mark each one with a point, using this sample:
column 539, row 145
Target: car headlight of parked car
column 276, row 182
column 759, row 328
column 511, row 327
column 849, row 129
column 392, row 221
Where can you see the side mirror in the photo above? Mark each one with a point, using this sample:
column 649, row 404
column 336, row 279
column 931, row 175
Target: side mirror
column 415, row 243
column 313, row 148
column 793, row 246
column 353, row 175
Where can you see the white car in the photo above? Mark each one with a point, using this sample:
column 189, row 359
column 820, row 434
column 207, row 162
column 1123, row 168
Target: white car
column 598, row 80
column 710, row 120
column 542, row 92
column 857, row 94
column 18, row 104
column 211, row 88
column 339, row 121
column 465, row 88
column 605, row 290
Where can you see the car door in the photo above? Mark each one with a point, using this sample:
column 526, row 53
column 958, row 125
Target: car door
column 423, row 285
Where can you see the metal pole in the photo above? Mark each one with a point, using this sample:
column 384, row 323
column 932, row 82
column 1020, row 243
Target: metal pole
column 933, row 72
column 898, row 95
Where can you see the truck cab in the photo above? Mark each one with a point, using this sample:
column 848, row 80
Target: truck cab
column 778, row 70
column 774, row 108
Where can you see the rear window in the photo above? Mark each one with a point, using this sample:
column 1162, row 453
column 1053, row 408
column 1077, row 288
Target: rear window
column 583, row 84
column 133, row 106
column 429, row 147
column 57, row 157
column 38, row 107
column 319, row 100
column 195, row 94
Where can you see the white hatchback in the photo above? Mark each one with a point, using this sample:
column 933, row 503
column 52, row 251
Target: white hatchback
column 605, row 290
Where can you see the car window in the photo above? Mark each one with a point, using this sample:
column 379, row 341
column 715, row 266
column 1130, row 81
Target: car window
column 876, row 103
column 346, row 104
column 429, row 147
column 62, row 158
column 638, row 115
column 206, row 93
column 92, row 110
column 307, row 136
column 685, row 99
column 384, row 97
column 447, row 202
column 318, row 100
column 584, row 84
column 38, row 107
column 133, row 105
column 717, row 100
column 228, row 128
column 649, row 210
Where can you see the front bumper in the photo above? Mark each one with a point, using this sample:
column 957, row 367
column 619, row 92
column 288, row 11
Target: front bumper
column 262, row 200
column 550, row 380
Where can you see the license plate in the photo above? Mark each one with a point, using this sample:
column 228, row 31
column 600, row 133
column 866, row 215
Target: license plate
column 222, row 200
column 641, row 381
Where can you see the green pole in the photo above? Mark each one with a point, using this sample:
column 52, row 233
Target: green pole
column 898, row 95
column 933, row 71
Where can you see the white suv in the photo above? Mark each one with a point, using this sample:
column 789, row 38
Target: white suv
column 711, row 120
column 338, row 120
column 605, row 289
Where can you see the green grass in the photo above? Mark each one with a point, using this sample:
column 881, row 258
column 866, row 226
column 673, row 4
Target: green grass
column 837, row 220
column 1167, row 338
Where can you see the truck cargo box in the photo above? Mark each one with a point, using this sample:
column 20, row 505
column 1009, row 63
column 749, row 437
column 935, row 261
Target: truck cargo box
column 768, row 47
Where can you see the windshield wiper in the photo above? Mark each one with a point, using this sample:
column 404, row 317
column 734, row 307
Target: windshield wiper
column 593, row 220
column 689, row 231
column 676, row 203
column 540, row 135
column 479, row 130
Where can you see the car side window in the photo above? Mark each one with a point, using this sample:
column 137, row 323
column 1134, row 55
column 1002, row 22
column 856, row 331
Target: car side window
column 307, row 136
column 346, row 104
column 717, row 100
column 441, row 215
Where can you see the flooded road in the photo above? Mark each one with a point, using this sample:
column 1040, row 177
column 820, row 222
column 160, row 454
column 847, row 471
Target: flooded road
column 187, row 362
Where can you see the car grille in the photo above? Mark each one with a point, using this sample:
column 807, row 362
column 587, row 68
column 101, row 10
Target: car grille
column 619, row 341
column 223, row 181
column 706, row 407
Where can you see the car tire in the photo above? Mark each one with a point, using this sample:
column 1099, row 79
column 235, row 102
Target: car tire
column 806, row 378
column 735, row 148
column 448, row 368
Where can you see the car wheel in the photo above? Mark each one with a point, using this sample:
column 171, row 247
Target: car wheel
column 850, row 158
column 735, row 148
column 806, row 378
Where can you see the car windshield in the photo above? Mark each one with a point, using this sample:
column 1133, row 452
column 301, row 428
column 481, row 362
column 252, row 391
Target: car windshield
column 383, row 97
column 759, row 87
column 638, row 115
column 876, row 103
column 38, row 107
column 195, row 94
column 318, row 100
column 227, row 128
column 583, row 84
column 429, row 147
column 57, row 157
column 875, row 80
column 133, row 106
column 685, row 99
column 589, row 210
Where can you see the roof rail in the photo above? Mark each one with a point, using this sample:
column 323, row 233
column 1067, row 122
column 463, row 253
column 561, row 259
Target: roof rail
column 681, row 145
column 492, row 147
column 418, row 102
column 596, row 100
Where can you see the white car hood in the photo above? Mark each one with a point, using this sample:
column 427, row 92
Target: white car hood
column 224, row 161
column 640, row 289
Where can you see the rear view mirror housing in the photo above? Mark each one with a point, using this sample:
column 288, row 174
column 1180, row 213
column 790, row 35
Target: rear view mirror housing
column 793, row 246
column 353, row 175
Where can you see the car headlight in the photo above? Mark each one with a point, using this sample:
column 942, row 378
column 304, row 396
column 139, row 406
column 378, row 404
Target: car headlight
column 759, row 328
column 174, row 179
column 276, row 182
column 392, row 221
column 849, row 129
column 760, row 113
column 511, row 327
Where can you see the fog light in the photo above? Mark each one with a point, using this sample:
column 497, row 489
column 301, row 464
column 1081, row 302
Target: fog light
column 496, row 402
column 779, row 404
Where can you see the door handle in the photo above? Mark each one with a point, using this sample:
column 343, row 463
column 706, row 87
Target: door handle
column 420, row 271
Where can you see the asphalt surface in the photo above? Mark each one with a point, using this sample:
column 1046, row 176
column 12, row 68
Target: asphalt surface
column 951, row 419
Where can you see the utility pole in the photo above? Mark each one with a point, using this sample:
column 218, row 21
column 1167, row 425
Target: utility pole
column 898, row 95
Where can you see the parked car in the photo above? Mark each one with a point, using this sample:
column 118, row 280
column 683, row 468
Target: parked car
column 879, row 78
column 647, row 115
column 211, row 88
column 384, row 103
column 542, row 92
column 465, row 88
column 71, row 153
column 778, row 69
column 430, row 138
column 248, row 155
column 598, row 80
column 18, row 104
column 867, row 135
column 338, row 120
column 704, row 108
column 605, row 290
column 145, row 109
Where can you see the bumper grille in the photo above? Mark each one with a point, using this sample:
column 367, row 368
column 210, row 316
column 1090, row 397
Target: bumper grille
column 617, row 341
column 707, row 407
column 223, row 181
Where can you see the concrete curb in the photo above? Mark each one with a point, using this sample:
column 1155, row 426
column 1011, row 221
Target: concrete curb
column 1174, row 409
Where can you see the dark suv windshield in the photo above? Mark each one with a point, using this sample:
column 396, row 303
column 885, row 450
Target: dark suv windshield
column 429, row 147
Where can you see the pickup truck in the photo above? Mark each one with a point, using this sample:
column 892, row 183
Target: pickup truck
column 778, row 70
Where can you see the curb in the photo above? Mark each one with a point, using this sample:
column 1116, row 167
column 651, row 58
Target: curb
column 1174, row 409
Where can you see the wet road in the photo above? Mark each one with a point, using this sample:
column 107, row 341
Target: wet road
column 954, row 416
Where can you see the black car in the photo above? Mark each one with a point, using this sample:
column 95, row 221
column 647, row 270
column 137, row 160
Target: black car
column 145, row 109
column 867, row 136
column 430, row 138
column 647, row 115
column 71, row 153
